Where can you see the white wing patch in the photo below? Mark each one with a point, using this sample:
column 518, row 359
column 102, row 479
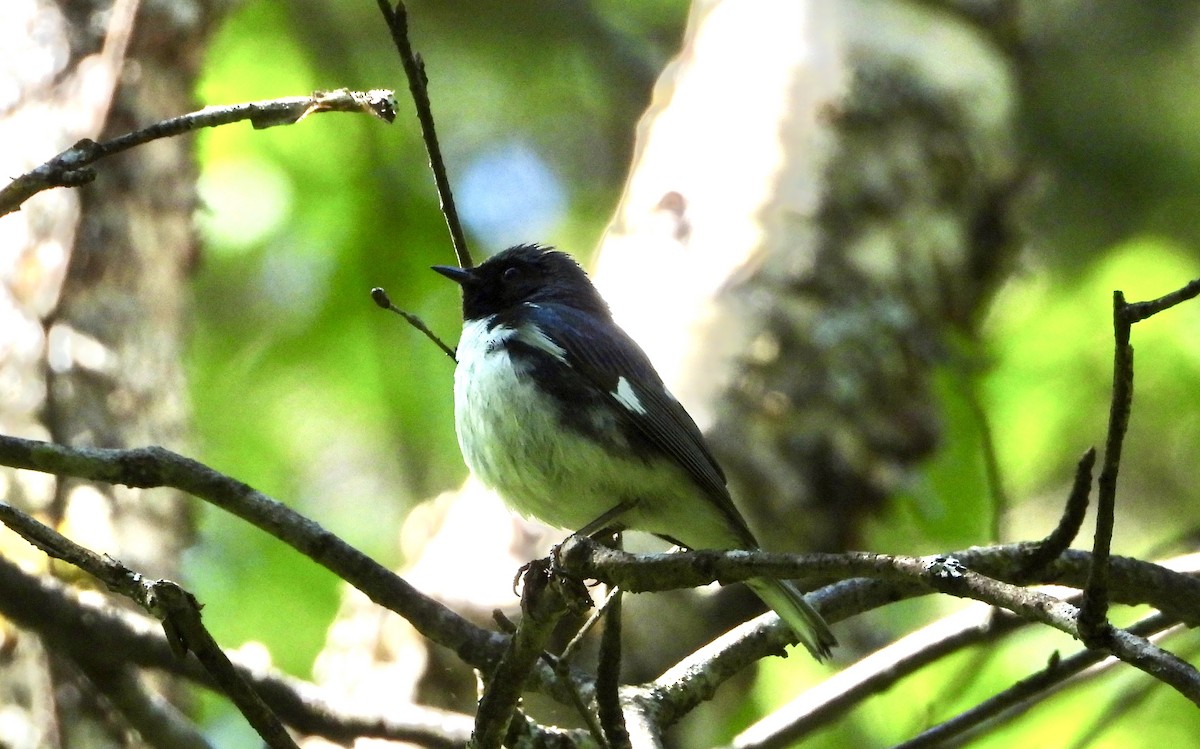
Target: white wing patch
column 627, row 398
column 534, row 336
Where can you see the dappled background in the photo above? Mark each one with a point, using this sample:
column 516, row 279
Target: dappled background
column 304, row 389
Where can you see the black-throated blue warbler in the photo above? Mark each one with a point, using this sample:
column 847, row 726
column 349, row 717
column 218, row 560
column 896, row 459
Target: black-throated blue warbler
column 562, row 414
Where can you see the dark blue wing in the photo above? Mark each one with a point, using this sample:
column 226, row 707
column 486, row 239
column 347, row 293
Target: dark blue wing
column 602, row 355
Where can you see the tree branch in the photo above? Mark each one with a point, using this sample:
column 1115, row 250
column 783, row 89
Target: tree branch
column 1093, row 615
column 608, row 677
column 72, row 167
column 102, row 637
column 382, row 300
column 874, row 674
column 1071, row 521
column 659, row 703
column 1054, row 674
column 1093, row 622
column 945, row 573
column 1134, row 581
column 418, row 86
column 158, row 722
column 1135, row 312
column 545, row 598
column 155, row 466
column 1121, row 704
column 175, row 607
column 890, row 578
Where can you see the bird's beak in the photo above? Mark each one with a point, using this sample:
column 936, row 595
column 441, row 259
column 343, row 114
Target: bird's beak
column 457, row 275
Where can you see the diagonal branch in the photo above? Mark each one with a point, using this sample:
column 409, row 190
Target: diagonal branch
column 1053, row 675
column 176, row 608
column 1049, row 548
column 383, row 301
column 1135, row 312
column 155, row 466
column 873, row 674
column 72, row 167
column 1123, row 702
column 418, row 86
column 102, row 638
column 182, row 616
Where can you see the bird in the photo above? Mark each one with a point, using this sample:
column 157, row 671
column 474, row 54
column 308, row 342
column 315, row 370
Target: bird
column 561, row 413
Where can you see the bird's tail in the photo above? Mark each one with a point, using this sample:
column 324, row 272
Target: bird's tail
column 804, row 620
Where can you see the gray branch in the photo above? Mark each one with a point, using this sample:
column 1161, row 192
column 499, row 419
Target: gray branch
column 867, row 581
column 963, row 574
column 73, row 167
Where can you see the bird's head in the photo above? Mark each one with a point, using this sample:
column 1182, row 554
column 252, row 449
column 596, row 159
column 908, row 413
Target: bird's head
column 524, row 274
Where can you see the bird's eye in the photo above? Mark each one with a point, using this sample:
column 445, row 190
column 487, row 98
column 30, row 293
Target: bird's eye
column 510, row 275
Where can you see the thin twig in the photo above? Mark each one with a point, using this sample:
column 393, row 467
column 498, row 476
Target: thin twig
column 1093, row 614
column 418, row 86
column 608, row 678
column 544, row 600
column 1059, row 540
column 72, row 167
column 182, row 612
column 874, row 674
column 593, row 619
column 1135, row 581
column 1093, row 621
column 1135, row 312
column 562, row 666
column 1053, row 675
column 1062, row 616
column 382, row 299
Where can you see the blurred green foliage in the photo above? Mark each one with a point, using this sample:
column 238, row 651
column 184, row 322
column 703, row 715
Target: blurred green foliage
column 304, row 389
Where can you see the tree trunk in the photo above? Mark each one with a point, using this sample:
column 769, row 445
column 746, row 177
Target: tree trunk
column 92, row 309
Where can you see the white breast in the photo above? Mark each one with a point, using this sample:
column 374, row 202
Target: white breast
column 507, row 438
column 516, row 446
